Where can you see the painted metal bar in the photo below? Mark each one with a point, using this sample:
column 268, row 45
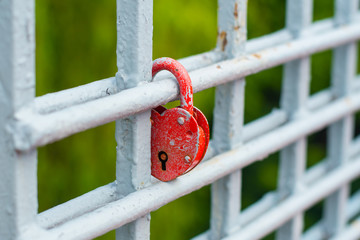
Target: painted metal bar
column 56, row 101
column 106, row 194
column 315, row 232
column 351, row 232
column 36, row 130
column 353, row 206
column 298, row 203
column 248, row 215
column 141, row 202
column 228, row 118
column 324, row 97
column 355, row 148
column 18, row 184
column 53, row 102
column 315, row 173
column 264, row 124
column 66, row 98
column 352, row 210
column 338, row 177
column 271, row 199
column 132, row 134
column 341, row 132
column 295, row 91
column 77, row 206
column 319, row 99
column 59, row 100
column 278, row 117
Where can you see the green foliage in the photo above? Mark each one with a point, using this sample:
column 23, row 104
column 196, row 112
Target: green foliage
column 76, row 42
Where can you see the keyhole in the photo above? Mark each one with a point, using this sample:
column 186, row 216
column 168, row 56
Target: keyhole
column 163, row 157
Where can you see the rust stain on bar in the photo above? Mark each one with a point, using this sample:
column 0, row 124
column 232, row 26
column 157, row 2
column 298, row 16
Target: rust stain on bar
column 236, row 14
column 258, row 56
column 223, row 40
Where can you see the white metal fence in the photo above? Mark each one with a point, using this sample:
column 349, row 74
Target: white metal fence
column 27, row 123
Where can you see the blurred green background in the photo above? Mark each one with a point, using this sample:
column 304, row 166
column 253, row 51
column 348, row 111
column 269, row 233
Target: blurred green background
column 76, row 42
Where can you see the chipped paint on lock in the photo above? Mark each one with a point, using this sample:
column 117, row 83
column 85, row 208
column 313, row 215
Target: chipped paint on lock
column 179, row 136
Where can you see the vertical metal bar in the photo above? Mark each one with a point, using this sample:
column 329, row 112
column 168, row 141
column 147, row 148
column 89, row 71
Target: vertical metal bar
column 228, row 118
column 340, row 133
column 134, row 59
column 295, row 90
column 18, row 179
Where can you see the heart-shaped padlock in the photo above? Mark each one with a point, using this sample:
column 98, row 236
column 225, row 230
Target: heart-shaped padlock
column 179, row 136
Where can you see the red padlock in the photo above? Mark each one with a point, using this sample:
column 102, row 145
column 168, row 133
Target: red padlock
column 179, row 136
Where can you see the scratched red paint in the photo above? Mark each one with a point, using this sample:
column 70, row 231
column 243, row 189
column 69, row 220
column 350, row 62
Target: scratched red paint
column 183, row 78
column 179, row 136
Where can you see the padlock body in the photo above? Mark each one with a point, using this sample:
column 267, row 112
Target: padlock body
column 204, row 137
column 179, row 136
column 174, row 132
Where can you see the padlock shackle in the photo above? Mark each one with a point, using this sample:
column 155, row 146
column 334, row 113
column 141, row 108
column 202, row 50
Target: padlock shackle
column 181, row 75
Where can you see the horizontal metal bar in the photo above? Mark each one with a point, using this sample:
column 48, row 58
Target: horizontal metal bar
column 352, row 231
column 355, row 149
column 314, row 233
column 258, row 208
column 323, row 97
column 78, row 206
column 201, row 60
column 36, row 130
column 52, row 102
column 319, row 170
column 278, row 117
column 59, row 100
column 279, row 214
column 319, row 99
column 56, row 101
column 353, row 209
column 105, row 194
column 139, row 203
column 315, row 173
column 249, row 214
column 311, row 176
column 264, row 124
column 270, row 200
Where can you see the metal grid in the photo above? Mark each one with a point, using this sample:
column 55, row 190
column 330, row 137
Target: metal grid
column 27, row 123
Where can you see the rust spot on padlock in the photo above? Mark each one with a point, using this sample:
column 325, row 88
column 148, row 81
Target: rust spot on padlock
column 179, row 136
